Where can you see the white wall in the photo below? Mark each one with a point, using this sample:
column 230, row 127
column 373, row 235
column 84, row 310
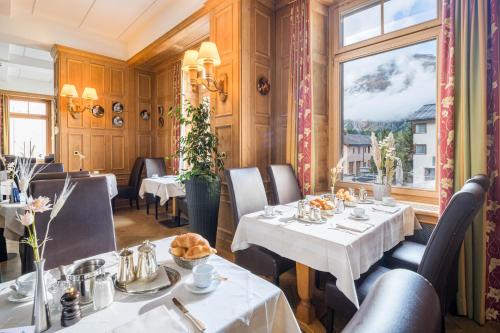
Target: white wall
column 420, row 162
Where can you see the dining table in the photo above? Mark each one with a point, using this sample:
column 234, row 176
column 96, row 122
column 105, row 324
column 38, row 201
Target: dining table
column 338, row 244
column 110, row 181
column 242, row 302
column 164, row 187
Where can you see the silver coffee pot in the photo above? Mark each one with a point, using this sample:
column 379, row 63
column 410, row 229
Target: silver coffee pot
column 126, row 269
column 147, row 266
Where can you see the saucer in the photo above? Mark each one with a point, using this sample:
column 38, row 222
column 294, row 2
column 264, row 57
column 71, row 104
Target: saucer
column 189, row 284
column 359, row 218
column 367, row 201
column 268, row 216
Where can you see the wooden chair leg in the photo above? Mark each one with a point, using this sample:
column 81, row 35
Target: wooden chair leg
column 156, row 208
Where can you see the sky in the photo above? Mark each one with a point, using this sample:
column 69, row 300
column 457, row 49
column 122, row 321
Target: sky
column 390, row 85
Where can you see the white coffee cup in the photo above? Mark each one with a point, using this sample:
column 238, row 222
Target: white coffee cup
column 388, row 201
column 155, row 175
column 268, row 210
column 358, row 212
column 25, row 284
column 203, row 275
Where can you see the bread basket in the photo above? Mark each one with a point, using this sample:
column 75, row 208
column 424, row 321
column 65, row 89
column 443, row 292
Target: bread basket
column 189, row 263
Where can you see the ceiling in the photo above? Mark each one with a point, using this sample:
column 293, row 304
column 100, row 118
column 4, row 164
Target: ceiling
column 116, row 28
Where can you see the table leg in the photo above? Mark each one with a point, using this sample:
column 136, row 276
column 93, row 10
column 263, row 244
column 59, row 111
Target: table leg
column 305, row 312
column 3, row 247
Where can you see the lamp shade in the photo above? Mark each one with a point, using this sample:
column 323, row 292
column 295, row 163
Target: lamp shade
column 69, row 90
column 208, row 54
column 189, row 61
column 90, row 93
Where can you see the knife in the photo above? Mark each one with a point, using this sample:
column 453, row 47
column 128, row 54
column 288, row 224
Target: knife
column 198, row 323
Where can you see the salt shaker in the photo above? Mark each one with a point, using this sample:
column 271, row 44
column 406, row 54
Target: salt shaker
column 315, row 214
column 339, row 206
column 104, row 291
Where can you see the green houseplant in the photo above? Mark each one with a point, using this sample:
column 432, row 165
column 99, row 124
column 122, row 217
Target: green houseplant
column 198, row 149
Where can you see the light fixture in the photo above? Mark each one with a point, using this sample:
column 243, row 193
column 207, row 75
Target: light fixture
column 205, row 60
column 89, row 95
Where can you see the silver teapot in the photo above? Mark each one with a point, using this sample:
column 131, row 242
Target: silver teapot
column 126, row 269
column 147, row 266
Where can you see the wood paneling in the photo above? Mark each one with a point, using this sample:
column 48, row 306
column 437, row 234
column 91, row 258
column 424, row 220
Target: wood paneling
column 98, row 152
column 118, row 152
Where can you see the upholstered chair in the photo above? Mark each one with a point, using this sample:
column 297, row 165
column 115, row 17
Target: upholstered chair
column 61, row 175
column 154, row 166
column 131, row 190
column 284, row 184
column 49, row 167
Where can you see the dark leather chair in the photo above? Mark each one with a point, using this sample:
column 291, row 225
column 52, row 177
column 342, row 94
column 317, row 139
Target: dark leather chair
column 83, row 228
column 154, row 166
column 440, row 256
column 392, row 306
column 49, row 167
column 50, row 158
column 131, row 191
column 60, row 175
column 248, row 195
column 284, row 184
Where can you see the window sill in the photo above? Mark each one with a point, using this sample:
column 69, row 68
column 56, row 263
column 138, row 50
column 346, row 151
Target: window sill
column 426, row 213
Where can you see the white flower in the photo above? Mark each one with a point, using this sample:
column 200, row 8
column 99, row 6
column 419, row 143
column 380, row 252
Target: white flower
column 26, row 219
column 39, row 205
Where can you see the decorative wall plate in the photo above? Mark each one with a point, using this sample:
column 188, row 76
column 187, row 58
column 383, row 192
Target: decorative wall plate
column 145, row 115
column 98, row 111
column 117, row 107
column 161, row 122
column 117, row 121
column 161, row 110
column 263, row 86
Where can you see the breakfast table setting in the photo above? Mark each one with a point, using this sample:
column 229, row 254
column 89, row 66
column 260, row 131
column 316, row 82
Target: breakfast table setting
column 152, row 287
column 342, row 237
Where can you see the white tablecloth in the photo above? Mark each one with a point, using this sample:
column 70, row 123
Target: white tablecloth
column 13, row 229
column 344, row 255
column 243, row 303
column 111, row 180
column 164, row 187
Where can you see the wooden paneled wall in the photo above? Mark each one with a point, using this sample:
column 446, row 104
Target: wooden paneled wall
column 106, row 147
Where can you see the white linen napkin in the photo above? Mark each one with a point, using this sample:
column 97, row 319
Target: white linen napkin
column 386, row 209
column 353, row 226
column 157, row 320
column 161, row 280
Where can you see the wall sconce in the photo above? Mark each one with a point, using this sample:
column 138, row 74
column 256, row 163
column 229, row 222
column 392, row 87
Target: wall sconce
column 89, row 95
column 205, row 61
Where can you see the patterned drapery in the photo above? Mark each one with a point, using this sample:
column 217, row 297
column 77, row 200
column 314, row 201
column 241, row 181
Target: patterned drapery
column 176, row 127
column 493, row 205
column 1, row 124
column 300, row 94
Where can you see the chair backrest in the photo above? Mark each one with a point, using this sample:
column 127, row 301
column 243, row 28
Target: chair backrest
column 49, row 167
column 284, row 184
column 441, row 252
column 60, row 175
column 247, row 191
column 480, row 179
column 136, row 173
column 50, row 158
column 399, row 301
column 84, row 227
column 155, row 166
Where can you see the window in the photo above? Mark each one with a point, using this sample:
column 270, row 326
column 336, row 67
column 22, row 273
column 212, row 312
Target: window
column 420, row 149
column 420, row 129
column 381, row 17
column 430, row 173
column 29, row 127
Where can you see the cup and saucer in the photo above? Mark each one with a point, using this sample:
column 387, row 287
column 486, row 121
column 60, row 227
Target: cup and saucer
column 204, row 279
column 359, row 214
column 269, row 212
column 155, row 176
column 23, row 288
column 388, row 201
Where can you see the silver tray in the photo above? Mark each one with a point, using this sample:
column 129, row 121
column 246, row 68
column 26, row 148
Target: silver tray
column 172, row 274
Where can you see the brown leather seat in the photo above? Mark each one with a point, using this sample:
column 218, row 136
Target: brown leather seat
column 440, row 256
column 83, row 228
column 49, row 167
column 131, row 191
column 391, row 306
column 248, row 195
column 154, row 166
column 284, row 184
column 61, row 175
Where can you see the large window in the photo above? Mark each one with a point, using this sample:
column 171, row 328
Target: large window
column 29, row 127
column 385, row 80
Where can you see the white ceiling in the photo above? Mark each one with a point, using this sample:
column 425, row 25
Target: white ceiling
column 26, row 69
column 117, row 28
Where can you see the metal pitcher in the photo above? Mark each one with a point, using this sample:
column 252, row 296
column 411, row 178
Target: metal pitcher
column 126, row 269
column 147, row 267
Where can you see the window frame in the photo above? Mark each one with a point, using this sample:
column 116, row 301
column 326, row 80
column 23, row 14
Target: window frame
column 47, row 117
column 430, row 30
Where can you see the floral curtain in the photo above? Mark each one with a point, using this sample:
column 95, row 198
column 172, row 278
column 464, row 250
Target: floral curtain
column 469, row 142
column 176, row 127
column 493, row 206
column 299, row 126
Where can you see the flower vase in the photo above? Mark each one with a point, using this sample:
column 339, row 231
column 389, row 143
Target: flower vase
column 381, row 190
column 333, row 191
column 40, row 317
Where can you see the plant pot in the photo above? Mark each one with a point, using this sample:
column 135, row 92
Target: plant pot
column 203, row 198
column 381, row 190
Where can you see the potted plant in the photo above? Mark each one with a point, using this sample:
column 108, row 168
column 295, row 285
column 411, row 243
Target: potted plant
column 198, row 149
column 384, row 158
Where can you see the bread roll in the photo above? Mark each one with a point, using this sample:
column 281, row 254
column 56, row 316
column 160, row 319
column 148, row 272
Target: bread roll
column 191, row 246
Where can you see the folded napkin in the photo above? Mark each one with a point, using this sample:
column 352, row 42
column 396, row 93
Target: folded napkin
column 353, row 226
column 159, row 319
column 386, row 209
column 161, row 280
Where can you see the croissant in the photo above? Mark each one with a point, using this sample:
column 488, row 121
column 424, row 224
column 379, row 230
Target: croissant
column 189, row 240
column 198, row 251
column 191, row 246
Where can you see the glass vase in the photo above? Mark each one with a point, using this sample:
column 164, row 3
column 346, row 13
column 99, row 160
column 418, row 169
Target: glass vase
column 40, row 317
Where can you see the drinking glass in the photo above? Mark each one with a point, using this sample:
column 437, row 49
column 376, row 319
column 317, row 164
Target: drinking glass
column 57, row 289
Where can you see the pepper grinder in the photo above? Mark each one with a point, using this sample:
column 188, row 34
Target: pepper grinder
column 71, row 313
